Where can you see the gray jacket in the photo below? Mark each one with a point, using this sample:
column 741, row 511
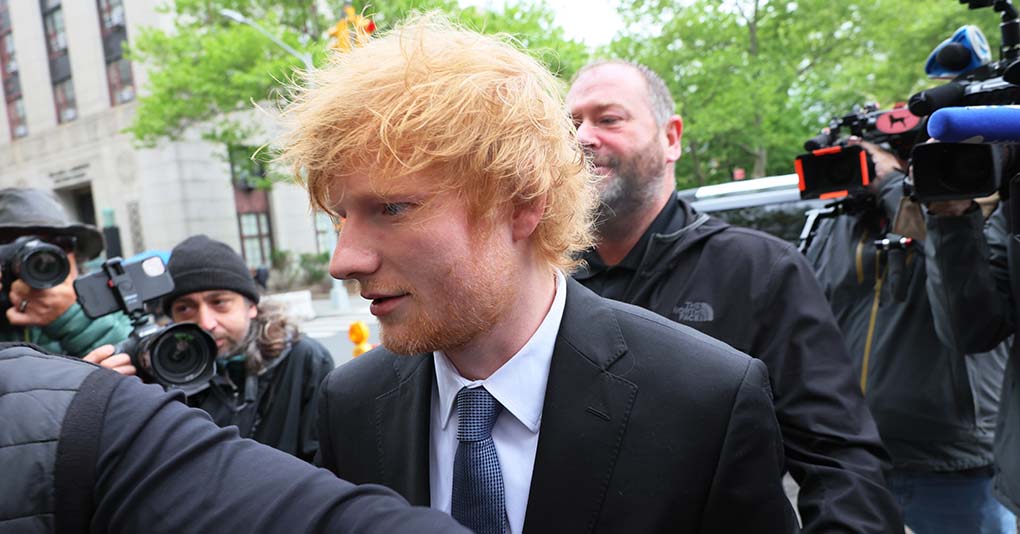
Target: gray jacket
column 935, row 405
column 87, row 450
column 32, row 389
column 978, row 301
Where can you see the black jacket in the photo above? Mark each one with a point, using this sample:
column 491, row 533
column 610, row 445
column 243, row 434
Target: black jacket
column 972, row 261
column 756, row 293
column 285, row 396
column 121, row 456
column 934, row 403
column 647, row 426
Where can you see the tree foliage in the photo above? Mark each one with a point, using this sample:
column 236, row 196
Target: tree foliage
column 754, row 78
column 208, row 66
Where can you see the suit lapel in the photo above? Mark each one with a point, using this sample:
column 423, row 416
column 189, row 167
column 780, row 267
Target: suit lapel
column 402, row 418
column 583, row 420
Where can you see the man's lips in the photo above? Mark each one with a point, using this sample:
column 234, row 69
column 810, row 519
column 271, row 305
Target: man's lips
column 384, row 304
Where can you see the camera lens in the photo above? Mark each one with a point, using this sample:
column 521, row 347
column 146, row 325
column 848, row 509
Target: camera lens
column 182, row 355
column 41, row 265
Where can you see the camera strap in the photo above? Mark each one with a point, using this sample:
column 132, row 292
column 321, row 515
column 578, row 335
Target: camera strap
column 78, row 452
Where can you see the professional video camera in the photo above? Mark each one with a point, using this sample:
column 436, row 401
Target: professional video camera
column 976, row 158
column 180, row 356
column 834, row 169
column 38, row 263
column 959, row 167
column 985, row 84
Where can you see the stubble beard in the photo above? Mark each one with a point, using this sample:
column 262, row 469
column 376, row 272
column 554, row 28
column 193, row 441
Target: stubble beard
column 469, row 302
column 630, row 186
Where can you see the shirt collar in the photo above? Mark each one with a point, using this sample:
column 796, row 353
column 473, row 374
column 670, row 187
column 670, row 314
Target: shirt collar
column 519, row 385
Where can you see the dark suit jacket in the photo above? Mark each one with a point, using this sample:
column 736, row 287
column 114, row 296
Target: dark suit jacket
column 648, row 426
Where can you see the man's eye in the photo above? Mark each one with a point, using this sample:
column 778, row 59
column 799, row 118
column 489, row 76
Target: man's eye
column 396, row 208
column 609, row 120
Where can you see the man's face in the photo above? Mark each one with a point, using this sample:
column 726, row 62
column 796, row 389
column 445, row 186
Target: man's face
column 615, row 124
column 226, row 315
column 436, row 279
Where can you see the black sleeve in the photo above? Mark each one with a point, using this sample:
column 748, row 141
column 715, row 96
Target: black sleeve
column 833, row 449
column 968, row 280
column 320, row 363
column 164, row 467
column 747, row 491
column 325, row 457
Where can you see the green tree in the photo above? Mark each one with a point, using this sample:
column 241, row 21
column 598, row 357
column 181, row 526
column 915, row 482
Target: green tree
column 209, row 67
column 754, row 78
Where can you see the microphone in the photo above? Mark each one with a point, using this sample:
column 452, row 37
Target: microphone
column 943, row 96
column 966, row 50
column 978, row 124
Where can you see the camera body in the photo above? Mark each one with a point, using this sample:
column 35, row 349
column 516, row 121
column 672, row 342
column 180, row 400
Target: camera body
column 834, row 169
column 179, row 356
column 39, row 264
column 946, row 170
column 954, row 171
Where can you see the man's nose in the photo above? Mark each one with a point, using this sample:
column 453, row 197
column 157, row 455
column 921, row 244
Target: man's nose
column 205, row 318
column 354, row 255
column 587, row 135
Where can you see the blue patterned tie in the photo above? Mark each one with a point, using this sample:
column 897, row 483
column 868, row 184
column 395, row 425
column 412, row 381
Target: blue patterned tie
column 478, row 501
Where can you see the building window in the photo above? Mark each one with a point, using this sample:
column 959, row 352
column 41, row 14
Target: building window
column 56, row 38
column 67, row 108
column 16, row 117
column 7, row 57
column 122, row 84
column 111, row 14
column 246, row 170
column 256, row 243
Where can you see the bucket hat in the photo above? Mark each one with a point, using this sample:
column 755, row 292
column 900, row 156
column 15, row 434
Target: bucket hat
column 25, row 211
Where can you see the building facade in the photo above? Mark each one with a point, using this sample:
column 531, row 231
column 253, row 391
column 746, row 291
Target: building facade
column 69, row 92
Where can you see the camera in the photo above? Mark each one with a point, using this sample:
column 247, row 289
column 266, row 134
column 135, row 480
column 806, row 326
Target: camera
column 179, row 356
column 958, row 170
column 834, row 169
column 36, row 262
column 39, row 264
column 950, row 171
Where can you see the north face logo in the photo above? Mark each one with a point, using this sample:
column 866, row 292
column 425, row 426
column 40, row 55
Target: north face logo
column 694, row 312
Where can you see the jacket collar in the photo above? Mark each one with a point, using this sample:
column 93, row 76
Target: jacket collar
column 687, row 228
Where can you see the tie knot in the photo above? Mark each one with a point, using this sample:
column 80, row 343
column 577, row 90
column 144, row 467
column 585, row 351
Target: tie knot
column 477, row 411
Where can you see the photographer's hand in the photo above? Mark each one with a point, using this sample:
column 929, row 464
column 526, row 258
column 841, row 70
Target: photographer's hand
column 105, row 357
column 40, row 307
column 885, row 161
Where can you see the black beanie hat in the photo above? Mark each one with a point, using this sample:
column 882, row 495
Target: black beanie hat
column 202, row 264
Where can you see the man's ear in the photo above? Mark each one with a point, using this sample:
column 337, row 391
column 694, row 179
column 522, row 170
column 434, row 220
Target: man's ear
column 674, row 132
column 526, row 217
column 253, row 309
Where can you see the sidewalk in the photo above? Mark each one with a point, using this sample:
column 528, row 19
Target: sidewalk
column 357, row 306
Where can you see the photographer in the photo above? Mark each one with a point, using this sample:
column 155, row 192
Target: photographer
column 934, row 400
column 268, row 374
column 51, row 318
column 974, row 270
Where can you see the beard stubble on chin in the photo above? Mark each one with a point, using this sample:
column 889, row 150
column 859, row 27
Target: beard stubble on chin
column 469, row 300
column 630, row 186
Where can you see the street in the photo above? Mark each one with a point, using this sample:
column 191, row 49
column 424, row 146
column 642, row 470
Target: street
column 330, row 326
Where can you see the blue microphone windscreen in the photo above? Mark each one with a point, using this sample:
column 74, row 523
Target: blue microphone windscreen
column 973, row 40
column 978, row 124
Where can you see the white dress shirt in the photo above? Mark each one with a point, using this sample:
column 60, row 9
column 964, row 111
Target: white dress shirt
column 519, row 385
